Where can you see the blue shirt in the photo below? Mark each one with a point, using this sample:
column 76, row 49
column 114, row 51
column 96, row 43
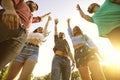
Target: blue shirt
column 81, row 39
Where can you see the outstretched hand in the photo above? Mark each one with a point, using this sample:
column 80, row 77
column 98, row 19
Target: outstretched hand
column 78, row 7
column 68, row 20
column 11, row 19
column 46, row 15
column 49, row 18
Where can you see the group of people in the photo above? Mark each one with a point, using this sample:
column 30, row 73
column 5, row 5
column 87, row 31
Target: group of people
column 21, row 47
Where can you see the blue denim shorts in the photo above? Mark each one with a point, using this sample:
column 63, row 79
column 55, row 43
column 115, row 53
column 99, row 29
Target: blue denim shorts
column 28, row 52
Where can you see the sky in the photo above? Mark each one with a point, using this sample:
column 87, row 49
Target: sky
column 62, row 9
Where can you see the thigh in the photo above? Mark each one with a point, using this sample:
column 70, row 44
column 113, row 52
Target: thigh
column 96, row 70
column 114, row 37
column 56, row 70
column 66, row 69
column 13, row 70
column 27, row 69
column 9, row 52
column 84, row 72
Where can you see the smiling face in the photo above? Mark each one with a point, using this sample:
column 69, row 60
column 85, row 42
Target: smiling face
column 61, row 35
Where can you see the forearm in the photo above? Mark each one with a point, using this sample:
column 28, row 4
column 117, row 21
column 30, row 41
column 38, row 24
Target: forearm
column 46, row 25
column 71, row 57
column 45, row 15
column 6, row 6
column 68, row 24
column 86, row 17
column 56, row 32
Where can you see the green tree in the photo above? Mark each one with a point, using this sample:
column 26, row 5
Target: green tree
column 3, row 73
column 75, row 75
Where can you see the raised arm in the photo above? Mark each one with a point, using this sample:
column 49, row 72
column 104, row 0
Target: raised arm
column 45, row 15
column 83, row 15
column 69, row 28
column 40, row 18
column 46, row 25
column 10, row 18
column 56, row 22
column 68, row 22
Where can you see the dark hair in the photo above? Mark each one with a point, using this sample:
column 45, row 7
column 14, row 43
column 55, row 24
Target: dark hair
column 30, row 3
column 91, row 7
column 37, row 29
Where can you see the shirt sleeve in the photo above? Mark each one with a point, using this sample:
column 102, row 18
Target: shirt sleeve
column 90, row 42
column 68, row 47
column 70, row 32
column 55, row 38
column 36, row 19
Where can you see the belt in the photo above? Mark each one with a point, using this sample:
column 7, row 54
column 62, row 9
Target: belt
column 31, row 44
column 61, row 56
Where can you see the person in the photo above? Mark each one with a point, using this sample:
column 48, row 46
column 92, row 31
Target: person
column 61, row 62
column 15, row 20
column 107, row 19
column 29, row 54
column 85, row 54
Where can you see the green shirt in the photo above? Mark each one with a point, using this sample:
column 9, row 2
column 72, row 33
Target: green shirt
column 107, row 17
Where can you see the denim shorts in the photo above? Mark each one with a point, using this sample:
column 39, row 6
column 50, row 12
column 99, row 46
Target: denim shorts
column 28, row 52
column 83, row 56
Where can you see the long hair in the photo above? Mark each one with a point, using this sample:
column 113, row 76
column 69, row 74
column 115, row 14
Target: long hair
column 78, row 31
column 35, row 31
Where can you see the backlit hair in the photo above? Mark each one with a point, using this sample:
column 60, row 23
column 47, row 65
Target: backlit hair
column 91, row 7
column 79, row 31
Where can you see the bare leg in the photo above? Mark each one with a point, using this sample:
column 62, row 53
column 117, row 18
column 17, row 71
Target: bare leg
column 27, row 70
column 114, row 37
column 13, row 70
column 96, row 70
column 84, row 72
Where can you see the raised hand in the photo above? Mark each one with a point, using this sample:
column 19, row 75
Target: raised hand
column 78, row 7
column 49, row 18
column 45, row 15
column 56, row 21
column 68, row 22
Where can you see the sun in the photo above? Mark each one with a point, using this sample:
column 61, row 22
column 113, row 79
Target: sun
column 111, row 56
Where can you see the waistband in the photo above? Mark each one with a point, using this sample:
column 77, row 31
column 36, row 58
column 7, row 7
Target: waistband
column 82, row 47
column 31, row 44
column 61, row 56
